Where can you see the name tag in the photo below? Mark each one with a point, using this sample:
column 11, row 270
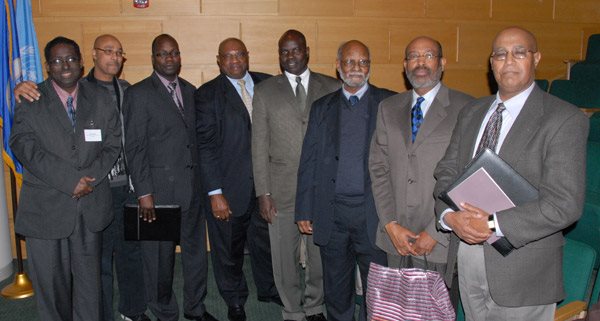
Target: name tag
column 92, row 135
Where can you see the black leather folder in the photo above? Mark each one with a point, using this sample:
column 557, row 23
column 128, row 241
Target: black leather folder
column 515, row 186
column 166, row 227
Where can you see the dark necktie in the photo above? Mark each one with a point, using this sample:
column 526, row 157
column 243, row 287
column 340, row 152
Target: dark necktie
column 417, row 117
column 489, row 139
column 71, row 111
column 173, row 92
column 300, row 93
column 353, row 100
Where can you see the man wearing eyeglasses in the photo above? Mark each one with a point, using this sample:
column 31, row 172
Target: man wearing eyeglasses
column 224, row 127
column 413, row 131
column 334, row 202
column 161, row 151
column 67, row 141
column 544, row 139
column 108, row 57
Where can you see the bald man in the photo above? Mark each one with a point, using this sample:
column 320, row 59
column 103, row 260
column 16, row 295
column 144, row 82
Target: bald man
column 544, row 139
column 334, row 202
column 108, row 57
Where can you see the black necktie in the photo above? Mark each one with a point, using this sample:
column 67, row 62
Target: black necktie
column 353, row 100
column 173, row 92
column 489, row 139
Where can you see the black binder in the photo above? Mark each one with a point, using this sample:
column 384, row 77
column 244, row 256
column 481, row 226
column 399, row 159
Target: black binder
column 166, row 227
column 515, row 186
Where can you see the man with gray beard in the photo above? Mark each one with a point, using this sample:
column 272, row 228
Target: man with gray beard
column 413, row 131
column 334, row 200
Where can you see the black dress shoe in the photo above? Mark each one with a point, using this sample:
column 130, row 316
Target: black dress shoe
column 205, row 317
column 316, row 317
column 236, row 313
column 141, row 317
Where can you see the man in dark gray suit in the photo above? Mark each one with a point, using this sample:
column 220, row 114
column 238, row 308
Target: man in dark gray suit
column 403, row 158
column 160, row 145
column 224, row 127
column 67, row 141
column 544, row 139
column 281, row 107
column 334, row 199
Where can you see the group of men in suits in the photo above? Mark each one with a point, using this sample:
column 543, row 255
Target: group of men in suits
column 299, row 167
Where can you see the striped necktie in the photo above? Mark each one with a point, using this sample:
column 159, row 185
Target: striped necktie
column 246, row 96
column 71, row 111
column 489, row 139
column 417, row 117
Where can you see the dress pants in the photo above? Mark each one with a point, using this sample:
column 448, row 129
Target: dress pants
column 227, row 251
column 66, row 275
column 159, row 261
column 475, row 293
column 127, row 258
column 348, row 245
column 285, row 251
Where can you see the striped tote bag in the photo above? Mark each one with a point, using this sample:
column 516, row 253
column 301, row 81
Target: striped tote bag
column 407, row 295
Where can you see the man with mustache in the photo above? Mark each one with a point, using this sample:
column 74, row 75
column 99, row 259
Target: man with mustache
column 108, row 57
column 413, row 131
column 334, row 202
column 281, row 106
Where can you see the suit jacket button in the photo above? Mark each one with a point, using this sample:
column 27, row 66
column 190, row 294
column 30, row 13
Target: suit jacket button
column 410, row 181
column 73, row 147
column 337, row 158
column 333, row 180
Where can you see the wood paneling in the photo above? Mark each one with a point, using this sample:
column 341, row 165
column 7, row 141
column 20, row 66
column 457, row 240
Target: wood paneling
column 390, row 8
column 78, row 8
column 580, row 11
column 332, row 33
column 330, row 8
column 523, row 10
column 161, row 8
column 402, row 33
column 240, row 7
column 465, row 9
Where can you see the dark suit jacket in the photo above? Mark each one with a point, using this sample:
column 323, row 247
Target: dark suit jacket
column 402, row 171
column 546, row 144
column 55, row 158
column 319, row 164
column 160, row 145
column 277, row 132
column 224, row 139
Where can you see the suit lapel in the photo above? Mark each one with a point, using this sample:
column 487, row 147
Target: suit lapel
column 403, row 119
column 286, row 91
column 331, row 120
column 523, row 128
column 57, row 107
column 471, row 132
column 166, row 98
column 85, row 103
column 233, row 100
column 435, row 115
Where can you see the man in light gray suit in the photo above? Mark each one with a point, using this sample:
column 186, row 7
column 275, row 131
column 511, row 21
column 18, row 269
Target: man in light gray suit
column 544, row 139
column 67, row 141
column 281, row 107
column 402, row 168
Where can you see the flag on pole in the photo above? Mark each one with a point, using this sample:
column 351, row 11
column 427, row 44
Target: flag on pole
column 20, row 61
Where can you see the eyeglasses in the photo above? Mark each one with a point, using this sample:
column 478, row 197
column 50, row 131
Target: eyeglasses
column 352, row 63
column 63, row 60
column 517, row 53
column 238, row 55
column 415, row 56
column 164, row 54
column 111, row 52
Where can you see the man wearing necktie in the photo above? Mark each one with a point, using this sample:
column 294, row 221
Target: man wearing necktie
column 544, row 139
column 160, row 145
column 224, row 128
column 413, row 131
column 65, row 198
column 334, row 202
column 281, row 106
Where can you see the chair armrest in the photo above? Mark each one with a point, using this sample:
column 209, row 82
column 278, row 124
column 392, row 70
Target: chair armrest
column 570, row 311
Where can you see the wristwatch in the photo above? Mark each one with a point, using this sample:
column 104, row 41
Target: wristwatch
column 491, row 223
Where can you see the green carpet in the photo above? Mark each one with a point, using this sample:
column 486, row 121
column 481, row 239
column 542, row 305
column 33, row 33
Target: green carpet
column 25, row 309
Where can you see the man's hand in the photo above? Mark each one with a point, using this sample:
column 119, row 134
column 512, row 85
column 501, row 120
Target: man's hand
column 470, row 224
column 28, row 90
column 305, row 227
column 83, row 187
column 146, row 205
column 220, row 207
column 267, row 208
column 424, row 244
column 402, row 238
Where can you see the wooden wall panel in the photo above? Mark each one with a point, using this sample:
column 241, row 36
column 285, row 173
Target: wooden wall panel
column 331, row 8
column 240, row 7
column 528, row 10
column 161, row 8
column 466, row 9
column 390, row 8
column 578, row 11
column 388, row 76
column 473, row 81
column 402, row 33
column 77, row 8
column 475, row 43
column 332, row 33
column 557, row 43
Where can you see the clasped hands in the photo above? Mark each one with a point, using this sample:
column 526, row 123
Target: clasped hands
column 83, row 187
column 407, row 242
column 469, row 224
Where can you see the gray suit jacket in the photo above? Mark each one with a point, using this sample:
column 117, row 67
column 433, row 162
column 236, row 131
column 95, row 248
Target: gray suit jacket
column 278, row 129
column 402, row 171
column 55, row 158
column 160, row 145
column 547, row 145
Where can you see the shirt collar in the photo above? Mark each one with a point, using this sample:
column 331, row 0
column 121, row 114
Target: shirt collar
column 247, row 78
column 429, row 96
column 63, row 95
column 516, row 103
column 166, row 82
column 292, row 78
column 360, row 93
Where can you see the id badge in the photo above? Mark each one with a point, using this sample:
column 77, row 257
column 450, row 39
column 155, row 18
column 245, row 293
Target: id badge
column 92, row 135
